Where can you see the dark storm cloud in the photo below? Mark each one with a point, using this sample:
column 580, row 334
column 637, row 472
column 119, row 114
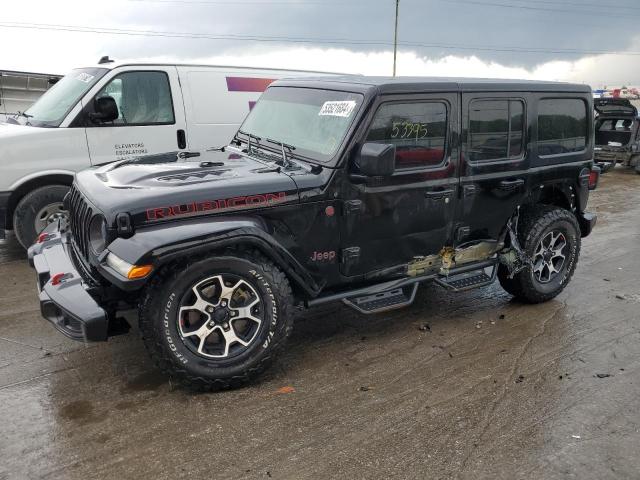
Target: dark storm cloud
column 575, row 25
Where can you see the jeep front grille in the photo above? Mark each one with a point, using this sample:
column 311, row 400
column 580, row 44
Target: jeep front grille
column 79, row 216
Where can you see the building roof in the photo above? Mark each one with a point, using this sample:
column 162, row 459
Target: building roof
column 15, row 73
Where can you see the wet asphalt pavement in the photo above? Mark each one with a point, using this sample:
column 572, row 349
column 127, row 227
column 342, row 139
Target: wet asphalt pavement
column 470, row 385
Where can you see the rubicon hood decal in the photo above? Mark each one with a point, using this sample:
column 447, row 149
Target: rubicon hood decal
column 222, row 205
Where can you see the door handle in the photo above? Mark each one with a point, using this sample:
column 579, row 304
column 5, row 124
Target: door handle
column 438, row 194
column 511, row 184
column 182, row 139
column 469, row 190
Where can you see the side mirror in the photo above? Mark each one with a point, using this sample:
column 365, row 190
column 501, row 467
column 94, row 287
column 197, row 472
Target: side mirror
column 376, row 160
column 106, row 110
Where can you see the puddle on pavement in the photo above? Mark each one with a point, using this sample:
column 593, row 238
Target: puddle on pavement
column 80, row 411
column 145, row 382
column 11, row 250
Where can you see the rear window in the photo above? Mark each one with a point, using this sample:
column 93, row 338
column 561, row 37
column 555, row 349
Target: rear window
column 496, row 129
column 562, row 126
column 614, row 125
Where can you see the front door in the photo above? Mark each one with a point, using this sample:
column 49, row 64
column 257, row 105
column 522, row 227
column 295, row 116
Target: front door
column 495, row 160
column 150, row 116
column 389, row 221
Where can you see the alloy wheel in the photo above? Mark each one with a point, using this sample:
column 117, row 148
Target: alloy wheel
column 549, row 256
column 220, row 316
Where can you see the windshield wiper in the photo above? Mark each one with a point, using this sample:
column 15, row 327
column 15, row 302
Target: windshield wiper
column 286, row 162
column 25, row 115
column 250, row 136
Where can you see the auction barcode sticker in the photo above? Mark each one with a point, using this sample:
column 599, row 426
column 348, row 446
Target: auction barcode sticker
column 338, row 108
column 84, row 77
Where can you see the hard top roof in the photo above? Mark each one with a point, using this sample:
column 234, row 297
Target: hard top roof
column 429, row 84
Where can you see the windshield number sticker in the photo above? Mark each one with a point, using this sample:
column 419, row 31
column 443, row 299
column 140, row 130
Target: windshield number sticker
column 85, row 77
column 338, row 108
column 409, row 130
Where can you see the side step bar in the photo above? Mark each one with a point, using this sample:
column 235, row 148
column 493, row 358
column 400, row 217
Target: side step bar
column 383, row 301
column 467, row 280
column 401, row 292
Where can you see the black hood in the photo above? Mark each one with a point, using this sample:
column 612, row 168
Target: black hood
column 213, row 183
column 615, row 107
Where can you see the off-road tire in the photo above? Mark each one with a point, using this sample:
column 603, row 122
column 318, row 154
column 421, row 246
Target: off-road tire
column 534, row 224
column 158, row 320
column 24, row 215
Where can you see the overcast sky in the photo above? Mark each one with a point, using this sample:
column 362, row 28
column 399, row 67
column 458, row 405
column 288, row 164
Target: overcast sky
column 592, row 41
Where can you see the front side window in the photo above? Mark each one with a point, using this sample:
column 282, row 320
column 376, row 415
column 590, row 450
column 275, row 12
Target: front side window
column 417, row 129
column 562, row 126
column 496, row 130
column 143, row 98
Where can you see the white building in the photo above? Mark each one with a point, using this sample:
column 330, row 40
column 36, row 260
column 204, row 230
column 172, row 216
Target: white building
column 19, row 90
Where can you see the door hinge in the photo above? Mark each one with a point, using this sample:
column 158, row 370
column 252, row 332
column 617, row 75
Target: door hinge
column 351, row 207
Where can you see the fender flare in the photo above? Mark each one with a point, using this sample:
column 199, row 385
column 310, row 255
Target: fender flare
column 167, row 242
column 560, row 194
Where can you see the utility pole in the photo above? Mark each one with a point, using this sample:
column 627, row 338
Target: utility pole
column 395, row 39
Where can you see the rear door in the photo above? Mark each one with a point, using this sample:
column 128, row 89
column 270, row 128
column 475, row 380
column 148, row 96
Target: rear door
column 495, row 163
column 390, row 220
column 150, row 116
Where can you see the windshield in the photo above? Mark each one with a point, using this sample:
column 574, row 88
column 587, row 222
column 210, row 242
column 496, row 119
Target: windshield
column 313, row 121
column 52, row 107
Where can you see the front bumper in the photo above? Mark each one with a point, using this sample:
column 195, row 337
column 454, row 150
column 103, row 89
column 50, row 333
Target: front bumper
column 587, row 222
column 64, row 299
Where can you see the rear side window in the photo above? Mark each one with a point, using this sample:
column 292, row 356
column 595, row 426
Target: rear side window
column 143, row 98
column 562, row 126
column 496, row 130
column 417, row 129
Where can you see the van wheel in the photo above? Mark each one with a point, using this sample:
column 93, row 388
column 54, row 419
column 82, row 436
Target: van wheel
column 550, row 237
column 36, row 210
column 217, row 322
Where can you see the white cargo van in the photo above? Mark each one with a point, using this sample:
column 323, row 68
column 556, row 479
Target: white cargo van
column 110, row 112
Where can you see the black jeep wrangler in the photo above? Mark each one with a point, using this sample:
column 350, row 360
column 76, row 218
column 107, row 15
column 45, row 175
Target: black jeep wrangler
column 349, row 189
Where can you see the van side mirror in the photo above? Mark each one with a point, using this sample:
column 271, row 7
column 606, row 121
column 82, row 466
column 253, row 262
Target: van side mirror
column 106, row 110
column 376, row 160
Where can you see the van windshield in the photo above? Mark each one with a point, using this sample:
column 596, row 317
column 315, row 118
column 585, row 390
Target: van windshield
column 52, row 107
column 313, row 121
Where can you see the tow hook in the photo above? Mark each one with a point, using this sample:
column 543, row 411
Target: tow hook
column 59, row 278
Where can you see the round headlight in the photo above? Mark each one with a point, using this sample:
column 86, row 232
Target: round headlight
column 98, row 234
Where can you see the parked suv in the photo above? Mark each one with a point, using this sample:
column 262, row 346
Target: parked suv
column 617, row 133
column 345, row 189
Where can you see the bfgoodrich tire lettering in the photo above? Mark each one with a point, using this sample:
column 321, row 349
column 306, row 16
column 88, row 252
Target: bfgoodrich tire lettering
column 176, row 348
column 538, row 226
